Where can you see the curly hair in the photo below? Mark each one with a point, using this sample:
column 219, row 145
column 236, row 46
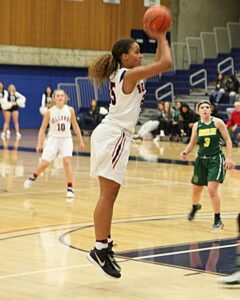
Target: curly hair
column 102, row 67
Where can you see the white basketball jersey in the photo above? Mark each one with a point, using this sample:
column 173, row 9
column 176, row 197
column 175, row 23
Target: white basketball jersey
column 124, row 108
column 60, row 122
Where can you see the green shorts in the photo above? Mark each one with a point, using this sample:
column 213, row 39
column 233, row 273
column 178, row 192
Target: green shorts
column 209, row 169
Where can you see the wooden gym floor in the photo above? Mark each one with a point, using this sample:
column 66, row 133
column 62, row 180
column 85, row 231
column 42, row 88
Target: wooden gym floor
column 43, row 240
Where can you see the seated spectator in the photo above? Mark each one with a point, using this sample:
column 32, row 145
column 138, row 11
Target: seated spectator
column 215, row 113
column 165, row 125
column 152, row 124
column 232, row 88
column 234, row 123
column 186, row 121
column 90, row 119
column 174, row 134
column 220, row 88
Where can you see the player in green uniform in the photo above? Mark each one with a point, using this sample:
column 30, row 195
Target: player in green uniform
column 210, row 165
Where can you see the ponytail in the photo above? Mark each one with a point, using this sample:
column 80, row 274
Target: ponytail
column 102, row 67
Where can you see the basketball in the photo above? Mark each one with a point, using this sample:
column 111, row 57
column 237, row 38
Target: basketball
column 157, row 19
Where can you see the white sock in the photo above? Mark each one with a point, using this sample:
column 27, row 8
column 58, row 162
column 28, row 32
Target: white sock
column 100, row 246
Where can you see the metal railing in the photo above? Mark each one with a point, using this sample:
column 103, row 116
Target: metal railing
column 194, row 49
column 222, row 39
column 71, row 91
column 200, row 80
column 230, row 65
column 86, row 91
column 180, row 56
column 163, row 96
column 208, row 43
column 234, row 34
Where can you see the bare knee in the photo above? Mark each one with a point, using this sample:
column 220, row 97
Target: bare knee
column 108, row 190
column 212, row 192
column 110, row 195
column 67, row 161
column 44, row 164
column 213, row 189
column 114, row 191
column 197, row 190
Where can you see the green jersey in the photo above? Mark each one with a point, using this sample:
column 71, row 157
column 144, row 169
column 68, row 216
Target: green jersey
column 209, row 139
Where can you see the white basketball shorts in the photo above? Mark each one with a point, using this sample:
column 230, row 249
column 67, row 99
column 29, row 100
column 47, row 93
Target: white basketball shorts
column 55, row 146
column 110, row 150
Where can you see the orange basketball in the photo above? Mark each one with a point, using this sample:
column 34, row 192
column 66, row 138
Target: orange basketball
column 157, row 19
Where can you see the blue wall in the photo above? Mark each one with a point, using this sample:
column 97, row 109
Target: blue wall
column 31, row 82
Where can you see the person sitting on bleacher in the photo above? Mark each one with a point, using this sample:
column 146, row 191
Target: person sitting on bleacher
column 215, row 112
column 234, row 123
column 232, row 88
column 165, row 125
column 186, row 121
column 145, row 130
column 174, row 134
column 220, row 87
column 90, row 119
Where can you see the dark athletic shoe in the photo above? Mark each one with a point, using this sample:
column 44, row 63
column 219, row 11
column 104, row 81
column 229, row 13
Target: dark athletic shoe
column 112, row 258
column 193, row 212
column 101, row 259
column 217, row 225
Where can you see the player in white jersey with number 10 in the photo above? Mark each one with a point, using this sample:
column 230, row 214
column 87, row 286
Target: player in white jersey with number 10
column 111, row 140
column 60, row 118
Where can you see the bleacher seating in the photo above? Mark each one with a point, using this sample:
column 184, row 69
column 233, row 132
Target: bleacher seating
column 180, row 78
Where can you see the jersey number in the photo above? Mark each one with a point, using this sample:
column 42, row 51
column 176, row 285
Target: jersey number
column 206, row 142
column 61, row 127
column 140, row 88
column 112, row 93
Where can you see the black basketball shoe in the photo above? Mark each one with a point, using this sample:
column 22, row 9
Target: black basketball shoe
column 101, row 259
column 193, row 211
column 112, row 258
column 218, row 224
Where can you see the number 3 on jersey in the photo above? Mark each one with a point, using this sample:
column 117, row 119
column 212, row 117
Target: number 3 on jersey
column 207, row 142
